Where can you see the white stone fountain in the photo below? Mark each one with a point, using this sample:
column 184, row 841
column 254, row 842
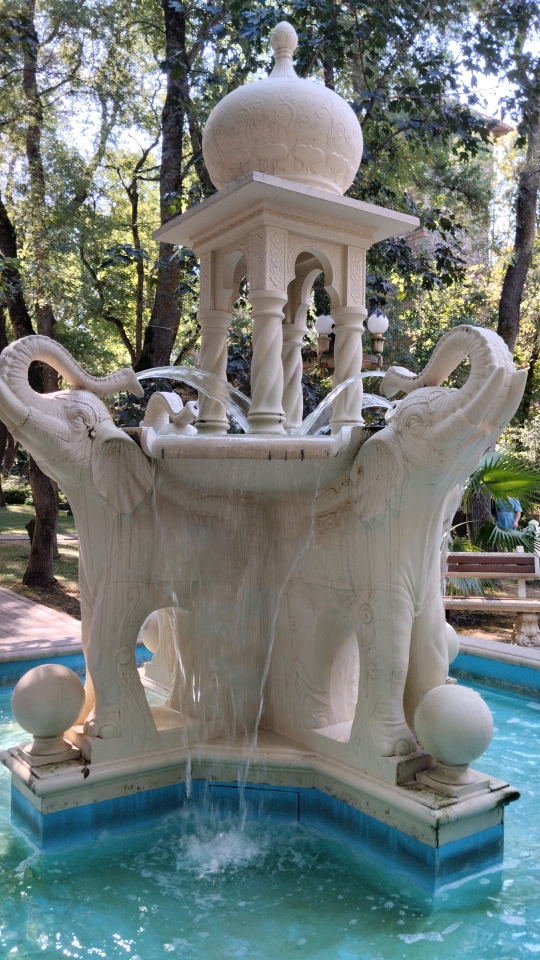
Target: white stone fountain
column 288, row 585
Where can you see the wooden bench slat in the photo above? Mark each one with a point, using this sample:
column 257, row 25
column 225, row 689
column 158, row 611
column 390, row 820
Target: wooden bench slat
column 502, row 605
column 492, row 561
column 493, row 565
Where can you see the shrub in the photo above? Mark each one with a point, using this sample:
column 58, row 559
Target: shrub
column 18, row 494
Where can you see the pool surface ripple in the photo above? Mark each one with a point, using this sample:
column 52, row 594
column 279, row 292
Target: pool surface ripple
column 196, row 888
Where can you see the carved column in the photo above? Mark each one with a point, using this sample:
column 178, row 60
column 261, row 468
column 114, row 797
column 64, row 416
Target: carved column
column 268, row 296
column 349, row 327
column 293, row 401
column 266, row 414
column 214, row 332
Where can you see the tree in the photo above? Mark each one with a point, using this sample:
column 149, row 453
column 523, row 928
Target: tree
column 41, row 68
column 189, row 28
column 504, row 43
column 499, row 477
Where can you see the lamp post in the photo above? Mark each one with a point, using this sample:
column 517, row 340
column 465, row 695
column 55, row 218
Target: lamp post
column 323, row 325
column 377, row 323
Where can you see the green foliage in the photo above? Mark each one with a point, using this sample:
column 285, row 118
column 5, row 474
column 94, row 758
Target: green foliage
column 19, row 493
column 495, row 539
column 86, row 247
column 468, row 586
column 501, row 476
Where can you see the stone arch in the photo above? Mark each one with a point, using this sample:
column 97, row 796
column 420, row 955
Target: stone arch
column 337, row 658
column 328, row 266
column 229, row 279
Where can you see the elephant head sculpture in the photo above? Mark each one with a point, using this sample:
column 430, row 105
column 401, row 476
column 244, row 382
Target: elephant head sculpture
column 71, row 429
column 435, row 437
column 376, row 555
column 106, row 477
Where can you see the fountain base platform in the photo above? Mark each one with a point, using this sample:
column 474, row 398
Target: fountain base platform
column 436, row 842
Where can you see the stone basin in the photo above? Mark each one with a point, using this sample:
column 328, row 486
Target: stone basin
column 255, row 464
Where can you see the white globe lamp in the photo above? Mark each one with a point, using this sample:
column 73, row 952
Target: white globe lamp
column 377, row 322
column 324, row 324
column 377, row 325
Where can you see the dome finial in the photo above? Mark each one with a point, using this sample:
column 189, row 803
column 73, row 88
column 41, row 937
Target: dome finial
column 284, row 42
column 284, row 126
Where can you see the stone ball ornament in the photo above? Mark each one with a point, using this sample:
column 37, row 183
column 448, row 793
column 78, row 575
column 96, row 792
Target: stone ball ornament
column 452, row 642
column 46, row 702
column 453, row 724
column 150, row 632
column 284, row 126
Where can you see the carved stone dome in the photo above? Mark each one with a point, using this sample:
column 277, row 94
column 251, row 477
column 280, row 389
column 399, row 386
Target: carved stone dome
column 284, row 126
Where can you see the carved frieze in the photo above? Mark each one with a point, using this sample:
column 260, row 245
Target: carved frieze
column 356, row 276
column 266, row 266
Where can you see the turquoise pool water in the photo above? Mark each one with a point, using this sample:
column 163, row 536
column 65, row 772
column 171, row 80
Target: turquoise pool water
column 193, row 888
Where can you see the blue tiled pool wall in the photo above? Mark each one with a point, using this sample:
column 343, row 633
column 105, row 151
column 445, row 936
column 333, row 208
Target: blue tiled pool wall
column 501, row 675
column 12, row 671
column 430, row 869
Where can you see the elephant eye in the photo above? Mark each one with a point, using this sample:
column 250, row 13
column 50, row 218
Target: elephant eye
column 414, row 423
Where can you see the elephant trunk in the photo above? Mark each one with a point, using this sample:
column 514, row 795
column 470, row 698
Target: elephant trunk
column 487, row 351
column 17, row 357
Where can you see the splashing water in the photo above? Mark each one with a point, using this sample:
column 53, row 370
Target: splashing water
column 237, row 404
column 207, row 852
column 280, row 891
column 318, row 420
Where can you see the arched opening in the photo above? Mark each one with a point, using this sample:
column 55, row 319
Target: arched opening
column 309, row 268
column 338, row 660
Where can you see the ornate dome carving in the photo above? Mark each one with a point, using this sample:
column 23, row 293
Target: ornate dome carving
column 284, row 126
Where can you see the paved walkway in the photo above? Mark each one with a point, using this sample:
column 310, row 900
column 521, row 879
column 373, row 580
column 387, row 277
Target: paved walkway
column 24, row 538
column 29, row 630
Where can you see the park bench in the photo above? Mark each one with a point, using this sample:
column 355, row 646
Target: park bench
column 500, row 566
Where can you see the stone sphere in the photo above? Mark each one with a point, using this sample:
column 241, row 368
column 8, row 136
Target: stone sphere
column 291, row 128
column 48, row 700
column 453, row 724
column 452, row 640
column 150, row 632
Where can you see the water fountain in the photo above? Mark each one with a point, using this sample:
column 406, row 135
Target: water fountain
column 288, row 582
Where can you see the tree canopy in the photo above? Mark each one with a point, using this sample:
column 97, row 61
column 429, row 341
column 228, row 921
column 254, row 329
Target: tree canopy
column 102, row 108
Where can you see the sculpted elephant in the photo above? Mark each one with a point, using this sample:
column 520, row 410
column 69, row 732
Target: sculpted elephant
column 106, row 478
column 150, row 538
column 373, row 570
column 352, row 566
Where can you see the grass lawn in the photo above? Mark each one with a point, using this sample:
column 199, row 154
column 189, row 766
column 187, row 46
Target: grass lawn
column 14, row 517
column 14, row 558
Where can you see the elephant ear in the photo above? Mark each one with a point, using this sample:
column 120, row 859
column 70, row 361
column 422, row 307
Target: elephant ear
column 377, row 476
column 121, row 474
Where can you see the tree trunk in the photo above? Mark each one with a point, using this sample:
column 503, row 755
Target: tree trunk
column 3, row 428
column 12, row 446
column 40, row 565
column 18, row 313
column 39, row 572
column 162, row 328
column 525, row 408
column 516, row 273
column 45, row 318
column 478, row 512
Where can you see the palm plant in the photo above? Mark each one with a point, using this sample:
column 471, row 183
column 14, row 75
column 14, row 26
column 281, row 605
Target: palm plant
column 500, row 477
column 497, row 478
